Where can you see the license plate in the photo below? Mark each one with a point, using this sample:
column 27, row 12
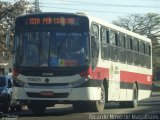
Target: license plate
column 47, row 93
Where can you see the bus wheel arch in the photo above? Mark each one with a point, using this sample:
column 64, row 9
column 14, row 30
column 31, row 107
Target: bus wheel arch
column 99, row 105
column 134, row 102
column 94, row 106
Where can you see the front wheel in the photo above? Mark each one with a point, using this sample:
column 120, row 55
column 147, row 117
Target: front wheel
column 98, row 106
column 81, row 106
column 37, row 107
column 6, row 106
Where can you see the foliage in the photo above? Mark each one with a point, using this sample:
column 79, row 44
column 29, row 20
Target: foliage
column 8, row 14
column 148, row 25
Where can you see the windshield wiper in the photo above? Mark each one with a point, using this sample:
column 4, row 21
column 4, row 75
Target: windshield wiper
column 32, row 65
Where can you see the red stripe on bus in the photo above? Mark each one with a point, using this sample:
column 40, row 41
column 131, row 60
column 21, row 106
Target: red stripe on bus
column 100, row 73
column 131, row 77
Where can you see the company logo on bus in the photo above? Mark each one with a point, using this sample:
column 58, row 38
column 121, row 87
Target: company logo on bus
column 47, row 80
column 47, row 74
column 35, row 79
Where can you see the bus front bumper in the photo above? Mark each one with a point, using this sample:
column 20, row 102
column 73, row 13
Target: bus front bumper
column 68, row 94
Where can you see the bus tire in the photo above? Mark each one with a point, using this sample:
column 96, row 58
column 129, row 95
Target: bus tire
column 6, row 106
column 37, row 107
column 80, row 106
column 19, row 107
column 123, row 104
column 98, row 106
column 134, row 102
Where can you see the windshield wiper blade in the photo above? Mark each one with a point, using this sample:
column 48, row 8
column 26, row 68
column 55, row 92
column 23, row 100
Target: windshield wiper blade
column 35, row 65
column 32, row 65
column 43, row 65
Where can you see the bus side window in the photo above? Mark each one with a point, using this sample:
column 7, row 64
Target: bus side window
column 95, row 30
column 129, row 52
column 94, row 44
column 136, row 50
column 95, row 51
column 113, row 38
column 122, row 45
column 148, row 56
column 105, row 47
column 142, row 53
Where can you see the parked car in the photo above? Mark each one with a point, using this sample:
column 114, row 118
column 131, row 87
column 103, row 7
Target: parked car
column 6, row 102
column 5, row 93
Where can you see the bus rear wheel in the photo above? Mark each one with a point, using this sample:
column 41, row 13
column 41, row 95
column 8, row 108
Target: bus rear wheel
column 37, row 107
column 94, row 106
column 134, row 102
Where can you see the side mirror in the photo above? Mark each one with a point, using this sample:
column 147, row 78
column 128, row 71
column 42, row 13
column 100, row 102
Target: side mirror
column 93, row 37
column 95, row 42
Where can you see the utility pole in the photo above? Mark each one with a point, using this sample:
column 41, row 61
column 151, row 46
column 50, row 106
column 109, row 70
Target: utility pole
column 36, row 5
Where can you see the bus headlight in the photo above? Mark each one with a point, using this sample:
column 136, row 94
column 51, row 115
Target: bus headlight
column 19, row 83
column 79, row 82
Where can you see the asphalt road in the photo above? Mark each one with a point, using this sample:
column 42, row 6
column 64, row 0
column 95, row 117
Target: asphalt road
column 147, row 109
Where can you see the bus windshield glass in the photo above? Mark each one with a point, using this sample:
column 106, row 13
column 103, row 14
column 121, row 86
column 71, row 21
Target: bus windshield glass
column 53, row 49
column 51, row 40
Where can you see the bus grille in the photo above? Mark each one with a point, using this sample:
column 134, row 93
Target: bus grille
column 56, row 95
column 48, row 84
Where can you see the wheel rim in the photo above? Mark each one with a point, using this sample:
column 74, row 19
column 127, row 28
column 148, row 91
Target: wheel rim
column 135, row 99
column 101, row 102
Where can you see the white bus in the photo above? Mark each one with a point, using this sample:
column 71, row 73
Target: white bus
column 79, row 59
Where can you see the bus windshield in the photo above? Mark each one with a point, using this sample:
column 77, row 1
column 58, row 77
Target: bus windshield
column 52, row 49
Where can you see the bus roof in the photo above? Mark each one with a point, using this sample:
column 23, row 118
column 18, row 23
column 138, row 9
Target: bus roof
column 117, row 28
column 96, row 20
column 51, row 13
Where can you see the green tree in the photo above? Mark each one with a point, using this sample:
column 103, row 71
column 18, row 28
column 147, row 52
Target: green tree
column 147, row 25
column 8, row 13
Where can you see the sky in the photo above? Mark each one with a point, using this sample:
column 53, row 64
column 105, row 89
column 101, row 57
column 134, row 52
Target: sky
column 107, row 10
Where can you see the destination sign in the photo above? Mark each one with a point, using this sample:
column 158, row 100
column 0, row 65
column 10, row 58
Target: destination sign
column 42, row 22
column 49, row 21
